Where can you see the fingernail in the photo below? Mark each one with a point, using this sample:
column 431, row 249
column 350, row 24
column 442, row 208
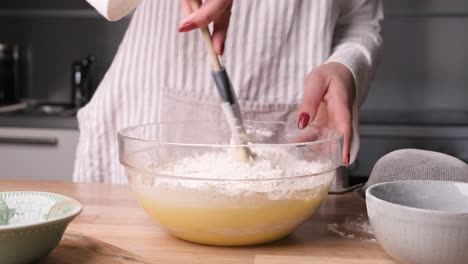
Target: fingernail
column 221, row 49
column 187, row 27
column 347, row 159
column 303, row 120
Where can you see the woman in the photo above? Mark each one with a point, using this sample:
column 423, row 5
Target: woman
column 310, row 60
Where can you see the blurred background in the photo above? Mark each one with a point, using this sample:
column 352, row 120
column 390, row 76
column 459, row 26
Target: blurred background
column 54, row 53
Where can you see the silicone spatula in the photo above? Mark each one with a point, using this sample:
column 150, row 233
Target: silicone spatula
column 229, row 103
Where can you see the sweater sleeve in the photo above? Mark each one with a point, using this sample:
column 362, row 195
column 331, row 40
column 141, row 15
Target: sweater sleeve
column 357, row 45
column 114, row 9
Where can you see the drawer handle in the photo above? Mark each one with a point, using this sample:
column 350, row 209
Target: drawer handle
column 49, row 141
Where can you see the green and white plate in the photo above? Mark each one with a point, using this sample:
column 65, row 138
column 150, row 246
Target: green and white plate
column 32, row 224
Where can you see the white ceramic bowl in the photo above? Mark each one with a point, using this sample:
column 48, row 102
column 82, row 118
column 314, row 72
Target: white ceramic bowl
column 421, row 221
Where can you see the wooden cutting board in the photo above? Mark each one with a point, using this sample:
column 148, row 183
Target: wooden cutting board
column 277, row 259
column 76, row 248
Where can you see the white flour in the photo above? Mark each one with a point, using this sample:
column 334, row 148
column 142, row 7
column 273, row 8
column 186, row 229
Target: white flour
column 275, row 172
column 270, row 163
column 354, row 227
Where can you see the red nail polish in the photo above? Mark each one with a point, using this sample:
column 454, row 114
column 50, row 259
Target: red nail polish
column 303, row 120
column 187, row 27
column 222, row 49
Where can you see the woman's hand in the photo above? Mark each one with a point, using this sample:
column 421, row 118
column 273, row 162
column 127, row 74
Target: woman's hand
column 328, row 100
column 216, row 11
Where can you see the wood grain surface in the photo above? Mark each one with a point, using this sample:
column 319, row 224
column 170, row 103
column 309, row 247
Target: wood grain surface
column 271, row 259
column 76, row 248
column 111, row 214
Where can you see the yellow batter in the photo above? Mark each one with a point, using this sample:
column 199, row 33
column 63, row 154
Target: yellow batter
column 232, row 222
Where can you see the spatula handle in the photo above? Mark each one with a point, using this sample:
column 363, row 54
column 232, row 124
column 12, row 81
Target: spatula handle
column 215, row 63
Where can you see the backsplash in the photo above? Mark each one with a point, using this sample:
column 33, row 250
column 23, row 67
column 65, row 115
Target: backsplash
column 52, row 35
column 424, row 64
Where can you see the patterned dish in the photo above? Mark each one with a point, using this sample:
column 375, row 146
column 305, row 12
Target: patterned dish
column 32, row 224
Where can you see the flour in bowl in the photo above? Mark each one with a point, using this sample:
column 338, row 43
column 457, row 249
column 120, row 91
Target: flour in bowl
column 276, row 173
column 269, row 164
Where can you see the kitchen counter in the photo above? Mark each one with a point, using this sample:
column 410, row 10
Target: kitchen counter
column 111, row 214
column 38, row 121
column 39, row 114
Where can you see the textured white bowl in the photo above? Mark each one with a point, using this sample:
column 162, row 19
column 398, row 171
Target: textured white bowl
column 32, row 224
column 421, row 221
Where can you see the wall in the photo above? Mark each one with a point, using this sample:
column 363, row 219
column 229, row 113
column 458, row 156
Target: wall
column 53, row 34
column 423, row 69
column 418, row 99
column 425, row 60
column 424, row 64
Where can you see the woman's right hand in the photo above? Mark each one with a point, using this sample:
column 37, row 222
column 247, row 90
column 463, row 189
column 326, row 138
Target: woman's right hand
column 216, row 11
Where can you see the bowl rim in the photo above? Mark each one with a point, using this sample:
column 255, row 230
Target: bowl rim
column 406, row 207
column 70, row 216
column 121, row 134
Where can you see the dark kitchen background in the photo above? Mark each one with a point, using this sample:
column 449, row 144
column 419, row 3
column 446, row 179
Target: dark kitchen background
column 418, row 100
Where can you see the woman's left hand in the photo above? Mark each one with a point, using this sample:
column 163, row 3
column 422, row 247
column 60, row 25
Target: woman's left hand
column 328, row 99
column 216, row 11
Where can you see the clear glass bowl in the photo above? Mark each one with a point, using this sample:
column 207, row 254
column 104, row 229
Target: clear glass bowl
column 182, row 175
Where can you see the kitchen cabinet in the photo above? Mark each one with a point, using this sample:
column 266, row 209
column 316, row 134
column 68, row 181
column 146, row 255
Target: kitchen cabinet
column 37, row 153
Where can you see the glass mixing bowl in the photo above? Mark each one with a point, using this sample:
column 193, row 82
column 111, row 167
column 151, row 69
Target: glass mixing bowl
column 185, row 178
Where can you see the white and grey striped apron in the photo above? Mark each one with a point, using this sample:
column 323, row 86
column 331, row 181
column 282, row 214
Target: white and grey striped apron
column 159, row 74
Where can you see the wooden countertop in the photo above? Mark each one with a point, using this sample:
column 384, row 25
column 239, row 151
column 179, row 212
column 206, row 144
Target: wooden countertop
column 111, row 214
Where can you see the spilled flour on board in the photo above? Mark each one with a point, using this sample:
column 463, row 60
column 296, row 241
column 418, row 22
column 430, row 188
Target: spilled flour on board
column 354, row 227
